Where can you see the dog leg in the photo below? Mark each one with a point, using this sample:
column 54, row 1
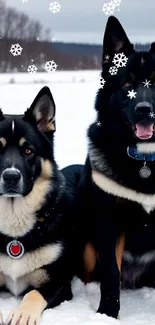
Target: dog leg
column 89, row 259
column 119, row 254
column 108, row 268
column 29, row 311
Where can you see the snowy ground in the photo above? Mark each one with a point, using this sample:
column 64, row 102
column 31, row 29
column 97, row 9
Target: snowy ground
column 74, row 94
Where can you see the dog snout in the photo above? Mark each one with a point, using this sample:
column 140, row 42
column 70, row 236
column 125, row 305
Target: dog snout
column 144, row 108
column 11, row 176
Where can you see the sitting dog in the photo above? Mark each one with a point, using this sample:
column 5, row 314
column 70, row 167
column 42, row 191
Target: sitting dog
column 115, row 203
column 35, row 232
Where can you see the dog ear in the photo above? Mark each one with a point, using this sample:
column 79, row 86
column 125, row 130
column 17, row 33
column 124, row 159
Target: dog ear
column 42, row 110
column 1, row 115
column 115, row 39
column 152, row 49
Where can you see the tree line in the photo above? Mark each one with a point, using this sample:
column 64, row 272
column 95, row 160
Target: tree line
column 17, row 27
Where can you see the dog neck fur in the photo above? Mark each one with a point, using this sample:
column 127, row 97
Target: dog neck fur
column 110, row 186
column 18, row 216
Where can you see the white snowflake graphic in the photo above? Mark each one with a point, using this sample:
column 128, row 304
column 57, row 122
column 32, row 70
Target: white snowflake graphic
column 16, row 49
column 54, row 7
column 132, row 94
column 102, row 82
column 113, row 70
column 120, row 60
column 147, row 83
column 107, row 57
column 23, row 1
column 152, row 115
column 98, row 124
column 50, row 66
column 108, row 8
column 53, row 39
column 117, row 2
column 32, row 68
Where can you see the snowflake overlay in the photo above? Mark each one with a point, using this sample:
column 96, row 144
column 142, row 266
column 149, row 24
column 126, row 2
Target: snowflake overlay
column 16, row 49
column 54, row 7
column 99, row 124
column 152, row 115
column 147, row 83
column 50, row 66
column 107, row 57
column 109, row 7
column 117, row 2
column 53, row 39
column 132, row 94
column 32, row 69
column 102, row 82
column 113, row 70
column 23, row 1
column 120, row 60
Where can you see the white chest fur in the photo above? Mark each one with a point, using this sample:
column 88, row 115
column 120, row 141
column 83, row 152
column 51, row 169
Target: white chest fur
column 18, row 274
column 112, row 187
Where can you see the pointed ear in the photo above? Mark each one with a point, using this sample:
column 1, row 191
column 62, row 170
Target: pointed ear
column 115, row 39
column 152, row 49
column 1, row 115
column 42, row 111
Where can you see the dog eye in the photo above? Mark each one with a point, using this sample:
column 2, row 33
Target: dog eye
column 27, row 151
column 127, row 84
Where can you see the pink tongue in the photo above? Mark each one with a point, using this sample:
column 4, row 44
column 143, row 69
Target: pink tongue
column 144, row 131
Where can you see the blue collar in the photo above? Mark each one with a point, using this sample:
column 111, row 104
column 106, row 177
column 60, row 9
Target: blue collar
column 133, row 153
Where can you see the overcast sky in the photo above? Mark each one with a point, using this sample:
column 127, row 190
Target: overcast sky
column 84, row 20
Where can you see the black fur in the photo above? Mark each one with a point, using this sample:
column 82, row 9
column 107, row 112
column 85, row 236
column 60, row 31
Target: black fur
column 103, row 217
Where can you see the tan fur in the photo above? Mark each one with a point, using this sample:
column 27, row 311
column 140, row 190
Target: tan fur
column 29, row 310
column 46, row 168
column 120, row 250
column 89, row 258
column 50, row 126
column 22, row 141
column 16, row 268
column 3, row 141
column 38, row 278
column 16, row 287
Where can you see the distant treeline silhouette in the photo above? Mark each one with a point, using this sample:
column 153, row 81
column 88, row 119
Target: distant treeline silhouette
column 16, row 27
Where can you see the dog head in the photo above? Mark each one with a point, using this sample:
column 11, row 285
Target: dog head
column 127, row 99
column 26, row 146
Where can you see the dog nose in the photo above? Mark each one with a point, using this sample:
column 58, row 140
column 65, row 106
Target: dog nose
column 144, row 108
column 11, row 176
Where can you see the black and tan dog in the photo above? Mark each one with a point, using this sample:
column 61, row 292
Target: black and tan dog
column 116, row 194
column 34, row 228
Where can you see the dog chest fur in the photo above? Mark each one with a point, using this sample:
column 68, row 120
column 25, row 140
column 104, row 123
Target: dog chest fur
column 16, row 268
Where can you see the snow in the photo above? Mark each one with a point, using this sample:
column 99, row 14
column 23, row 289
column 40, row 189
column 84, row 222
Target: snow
column 74, row 94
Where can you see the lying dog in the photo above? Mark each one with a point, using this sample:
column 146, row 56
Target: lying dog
column 116, row 194
column 34, row 228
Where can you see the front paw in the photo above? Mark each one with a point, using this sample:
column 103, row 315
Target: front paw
column 23, row 317
column 110, row 306
column 30, row 310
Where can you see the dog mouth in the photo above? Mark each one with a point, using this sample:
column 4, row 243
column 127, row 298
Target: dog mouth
column 144, row 130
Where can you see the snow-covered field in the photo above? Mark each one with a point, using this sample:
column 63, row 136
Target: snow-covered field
column 74, row 94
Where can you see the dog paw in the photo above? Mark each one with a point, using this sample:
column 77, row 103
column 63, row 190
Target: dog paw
column 23, row 317
column 110, row 307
